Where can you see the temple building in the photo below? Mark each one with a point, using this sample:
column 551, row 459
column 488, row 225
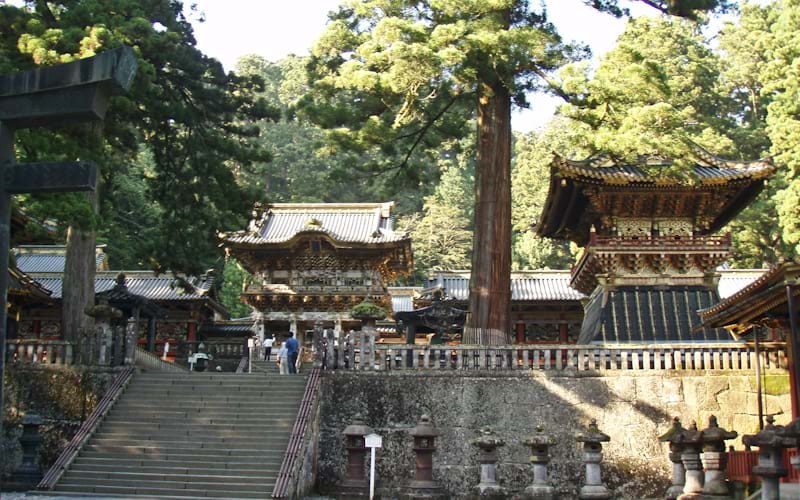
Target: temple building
column 315, row 261
column 650, row 252
column 169, row 308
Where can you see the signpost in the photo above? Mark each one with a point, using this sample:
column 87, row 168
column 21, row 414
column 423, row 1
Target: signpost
column 372, row 441
column 45, row 97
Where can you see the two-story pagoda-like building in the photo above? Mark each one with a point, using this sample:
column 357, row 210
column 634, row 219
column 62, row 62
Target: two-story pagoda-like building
column 314, row 261
column 650, row 252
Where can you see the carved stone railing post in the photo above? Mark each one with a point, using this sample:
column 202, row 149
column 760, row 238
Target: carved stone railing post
column 319, row 348
column 715, row 459
column 540, row 444
column 488, row 443
column 674, row 437
column 771, row 442
column 592, row 440
column 130, row 342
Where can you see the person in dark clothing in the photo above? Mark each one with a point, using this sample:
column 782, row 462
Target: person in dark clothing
column 293, row 348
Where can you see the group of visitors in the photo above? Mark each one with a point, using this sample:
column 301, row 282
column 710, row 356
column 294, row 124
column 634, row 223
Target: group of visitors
column 286, row 355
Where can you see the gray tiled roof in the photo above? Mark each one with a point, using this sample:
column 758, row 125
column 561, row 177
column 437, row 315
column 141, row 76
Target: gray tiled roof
column 145, row 284
column 525, row 285
column 554, row 285
column 350, row 223
column 47, row 262
column 646, row 315
column 708, row 169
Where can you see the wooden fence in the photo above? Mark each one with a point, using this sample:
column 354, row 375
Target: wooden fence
column 652, row 357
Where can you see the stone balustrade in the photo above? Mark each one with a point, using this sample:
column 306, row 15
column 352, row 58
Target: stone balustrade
column 48, row 352
column 394, row 357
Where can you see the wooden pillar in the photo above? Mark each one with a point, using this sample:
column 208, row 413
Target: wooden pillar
column 520, row 333
column 151, row 334
column 563, row 338
column 191, row 336
column 37, row 327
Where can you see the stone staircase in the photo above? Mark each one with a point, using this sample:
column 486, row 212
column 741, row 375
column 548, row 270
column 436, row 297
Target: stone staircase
column 190, row 435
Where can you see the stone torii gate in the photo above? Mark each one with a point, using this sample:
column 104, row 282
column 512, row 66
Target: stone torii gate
column 45, row 97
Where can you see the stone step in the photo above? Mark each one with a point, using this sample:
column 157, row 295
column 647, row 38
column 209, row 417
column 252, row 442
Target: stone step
column 175, row 467
column 197, row 405
column 209, row 484
column 189, row 404
column 192, row 477
column 277, row 406
column 176, row 452
column 167, row 443
column 200, row 419
column 169, row 436
column 157, row 394
column 243, row 383
column 154, row 491
column 284, row 424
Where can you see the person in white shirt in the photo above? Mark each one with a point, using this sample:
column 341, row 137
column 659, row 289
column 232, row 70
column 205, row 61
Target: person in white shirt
column 283, row 359
column 268, row 342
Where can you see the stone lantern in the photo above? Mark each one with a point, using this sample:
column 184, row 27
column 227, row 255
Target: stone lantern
column 27, row 475
column 715, row 459
column 424, row 435
column 368, row 312
column 488, row 443
column 592, row 440
column 674, row 436
column 356, row 480
column 103, row 314
column 540, row 457
column 771, row 442
column 692, row 441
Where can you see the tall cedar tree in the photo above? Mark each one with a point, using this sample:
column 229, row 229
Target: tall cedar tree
column 396, row 75
column 183, row 111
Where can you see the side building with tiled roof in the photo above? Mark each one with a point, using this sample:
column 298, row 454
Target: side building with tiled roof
column 174, row 307
column 315, row 261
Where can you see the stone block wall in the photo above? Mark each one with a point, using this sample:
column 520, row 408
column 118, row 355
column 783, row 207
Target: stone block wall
column 62, row 396
column 634, row 408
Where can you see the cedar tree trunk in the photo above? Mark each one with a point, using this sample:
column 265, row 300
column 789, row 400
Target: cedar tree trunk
column 78, row 285
column 489, row 319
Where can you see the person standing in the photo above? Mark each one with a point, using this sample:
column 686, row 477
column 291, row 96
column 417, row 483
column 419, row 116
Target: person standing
column 283, row 359
column 268, row 342
column 293, row 349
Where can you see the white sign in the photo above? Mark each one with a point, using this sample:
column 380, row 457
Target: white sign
column 373, row 441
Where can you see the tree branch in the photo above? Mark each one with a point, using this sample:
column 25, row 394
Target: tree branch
column 421, row 132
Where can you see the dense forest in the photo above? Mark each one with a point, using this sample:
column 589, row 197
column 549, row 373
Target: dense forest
column 397, row 101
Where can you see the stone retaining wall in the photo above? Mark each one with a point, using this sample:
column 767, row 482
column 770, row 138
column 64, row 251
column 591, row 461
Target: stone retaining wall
column 63, row 396
column 634, row 408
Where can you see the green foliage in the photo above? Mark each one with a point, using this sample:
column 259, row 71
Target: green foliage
column 191, row 118
column 234, row 280
column 653, row 94
column 367, row 310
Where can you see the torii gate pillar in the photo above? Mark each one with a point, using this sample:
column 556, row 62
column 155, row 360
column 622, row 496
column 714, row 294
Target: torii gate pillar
column 45, row 97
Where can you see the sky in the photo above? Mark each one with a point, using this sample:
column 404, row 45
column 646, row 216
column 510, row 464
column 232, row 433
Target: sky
column 276, row 28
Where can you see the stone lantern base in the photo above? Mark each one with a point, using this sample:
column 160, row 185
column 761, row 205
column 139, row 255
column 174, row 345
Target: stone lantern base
column 423, row 489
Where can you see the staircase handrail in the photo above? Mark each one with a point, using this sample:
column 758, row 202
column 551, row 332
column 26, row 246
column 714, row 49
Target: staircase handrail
column 67, row 456
column 297, row 442
column 147, row 359
column 242, row 364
